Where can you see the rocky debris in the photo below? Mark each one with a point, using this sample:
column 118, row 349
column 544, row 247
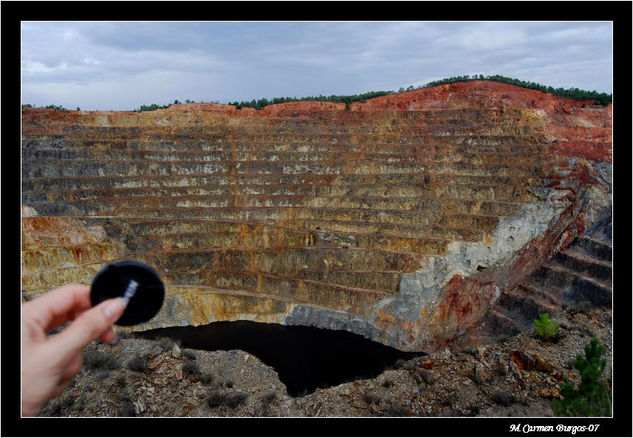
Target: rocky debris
column 423, row 375
column 175, row 352
column 485, row 381
column 503, row 398
column 549, row 393
column 155, row 352
column 530, row 360
column 480, row 375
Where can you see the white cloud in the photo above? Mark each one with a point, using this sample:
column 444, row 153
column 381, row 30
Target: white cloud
column 37, row 68
column 69, row 34
column 492, row 40
column 121, row 65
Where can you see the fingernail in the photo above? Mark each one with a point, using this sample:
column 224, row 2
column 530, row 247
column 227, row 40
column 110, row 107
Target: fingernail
column 115, row 308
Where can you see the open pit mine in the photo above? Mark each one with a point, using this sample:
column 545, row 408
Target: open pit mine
column 404, row 219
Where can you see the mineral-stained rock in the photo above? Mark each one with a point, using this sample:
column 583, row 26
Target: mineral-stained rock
column 175, row 352
column 402, row 219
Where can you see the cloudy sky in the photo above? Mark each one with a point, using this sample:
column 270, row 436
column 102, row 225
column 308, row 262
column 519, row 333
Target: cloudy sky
column 121, row 65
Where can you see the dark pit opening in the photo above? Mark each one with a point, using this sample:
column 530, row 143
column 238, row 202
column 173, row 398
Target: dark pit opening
column 305, row 358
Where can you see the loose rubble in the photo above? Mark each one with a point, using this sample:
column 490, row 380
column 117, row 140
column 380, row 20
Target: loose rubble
column 518, row 377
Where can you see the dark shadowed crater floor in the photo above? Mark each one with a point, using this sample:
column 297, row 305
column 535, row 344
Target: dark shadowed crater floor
column 306, row 358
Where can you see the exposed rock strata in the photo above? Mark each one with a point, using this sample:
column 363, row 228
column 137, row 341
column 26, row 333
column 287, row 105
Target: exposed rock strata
column 403, row 219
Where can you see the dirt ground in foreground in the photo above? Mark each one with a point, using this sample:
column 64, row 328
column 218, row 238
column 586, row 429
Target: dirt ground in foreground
column 514, row 378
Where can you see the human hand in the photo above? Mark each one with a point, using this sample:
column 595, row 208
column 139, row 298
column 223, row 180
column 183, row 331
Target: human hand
column 49, row 363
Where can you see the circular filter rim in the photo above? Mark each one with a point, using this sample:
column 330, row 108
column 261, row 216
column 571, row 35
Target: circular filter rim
column 132, row 278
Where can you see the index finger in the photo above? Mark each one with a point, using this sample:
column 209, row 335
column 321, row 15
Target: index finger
column 58, row 306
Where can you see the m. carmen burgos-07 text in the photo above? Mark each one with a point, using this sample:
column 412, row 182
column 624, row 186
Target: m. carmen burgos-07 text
column 528, row 428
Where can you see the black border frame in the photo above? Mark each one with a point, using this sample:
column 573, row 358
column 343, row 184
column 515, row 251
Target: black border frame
column 13, row 12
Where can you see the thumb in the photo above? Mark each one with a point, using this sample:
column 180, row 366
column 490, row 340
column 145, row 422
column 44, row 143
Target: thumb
column 88, row 326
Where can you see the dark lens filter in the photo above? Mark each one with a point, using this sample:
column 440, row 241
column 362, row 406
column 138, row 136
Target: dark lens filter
column 131, row 279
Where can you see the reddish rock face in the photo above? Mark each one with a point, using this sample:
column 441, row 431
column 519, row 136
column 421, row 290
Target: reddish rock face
column 402, row 219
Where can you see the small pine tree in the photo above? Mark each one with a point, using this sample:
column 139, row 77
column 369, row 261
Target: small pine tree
column 545, row 327
column 593, row 397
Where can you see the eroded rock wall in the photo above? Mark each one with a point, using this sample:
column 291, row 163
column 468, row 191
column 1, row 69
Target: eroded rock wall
column 402, row 219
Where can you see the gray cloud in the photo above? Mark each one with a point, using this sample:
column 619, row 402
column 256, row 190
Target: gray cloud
column 102, row 65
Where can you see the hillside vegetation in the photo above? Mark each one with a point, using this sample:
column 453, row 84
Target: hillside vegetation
column 573, row 93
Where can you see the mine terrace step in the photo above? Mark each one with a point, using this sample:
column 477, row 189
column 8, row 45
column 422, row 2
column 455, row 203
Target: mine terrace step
column 360, row 120
column 380, row 198
column 404, row 229
column 271, row 261
column 573, row 286
column 268, row 215
column 402, row 155
column 560, row 275
column 146, row 235
column 201, row 196
column 552, row 296
column 459, row 126
column 357, row 239
column 276, row 239
column 293, row 196
column 376, row 281
column 425, row 239
column 361, row 223
column 69, row 183
column 354, row 198
column 291, row 259
column 389, row 199
column 300, row 230
column 60, row 275
column 35, row 190
column 318, row 143
column 584, row 264
column 228, row 172
column 452, row 164
column 141, row 181
column 353, row 300
column 594, row 248
column 501, row 322
column 258, row 145
column 524, row 307
column 227, row 140
column 275, row 216
column 47, row 256
column 440, row 191
column 285, row 152
column 327, row 295
column 321, row 294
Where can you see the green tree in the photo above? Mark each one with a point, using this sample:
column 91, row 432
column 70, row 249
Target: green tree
column 592, row 398
column 55, row 107
column 545, row 327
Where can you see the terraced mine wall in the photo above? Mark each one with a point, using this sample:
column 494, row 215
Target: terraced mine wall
column 402, row 219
